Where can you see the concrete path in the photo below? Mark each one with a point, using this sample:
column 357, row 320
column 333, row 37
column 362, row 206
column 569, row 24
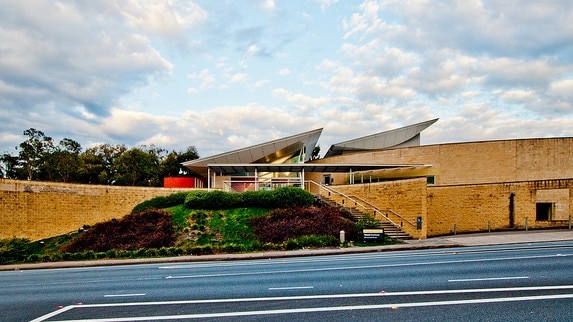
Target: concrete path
column 512, row 237
column 475, row 239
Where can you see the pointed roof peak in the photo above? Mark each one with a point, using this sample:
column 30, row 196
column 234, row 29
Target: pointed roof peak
column 405, row 136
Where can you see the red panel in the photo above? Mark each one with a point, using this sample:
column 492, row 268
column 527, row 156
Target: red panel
column 179, row 182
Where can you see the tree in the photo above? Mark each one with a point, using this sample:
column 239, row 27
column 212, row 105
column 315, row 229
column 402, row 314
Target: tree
column 65, row 162
column 171, row 165
column 33, row 152
column 97, row 163
column 315, row 153
column 9, row 166
column 136, row 167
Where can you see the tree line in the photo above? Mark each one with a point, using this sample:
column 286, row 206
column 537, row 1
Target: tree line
column 40, row 158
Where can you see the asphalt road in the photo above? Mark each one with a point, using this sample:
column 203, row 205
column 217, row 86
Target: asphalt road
column 493, row 283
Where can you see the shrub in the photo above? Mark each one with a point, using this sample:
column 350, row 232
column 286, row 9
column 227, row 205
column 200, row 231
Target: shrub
column 161, row 202
column 151, row 228
column 278, row 198
column 284, row 224
column 311, row 241
column 292, row 197
column 15, row 250
column 258, row 199
column 195, row 199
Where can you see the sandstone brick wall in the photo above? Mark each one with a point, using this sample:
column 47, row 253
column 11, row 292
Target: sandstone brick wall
column 474, row 162
column 36, row 210
column 473, row 208
column 405, row 197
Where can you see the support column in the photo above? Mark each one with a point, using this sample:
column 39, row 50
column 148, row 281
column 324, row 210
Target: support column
column 208, row 178
column 256, row 180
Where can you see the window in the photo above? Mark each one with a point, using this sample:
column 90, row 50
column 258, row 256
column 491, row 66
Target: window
column 544, row 211
column 431, row 180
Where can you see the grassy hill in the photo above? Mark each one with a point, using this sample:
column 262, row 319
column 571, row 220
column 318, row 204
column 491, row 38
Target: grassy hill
column 197, row 223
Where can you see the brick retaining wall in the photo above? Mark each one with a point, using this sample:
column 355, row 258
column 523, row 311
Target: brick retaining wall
column 36, row 210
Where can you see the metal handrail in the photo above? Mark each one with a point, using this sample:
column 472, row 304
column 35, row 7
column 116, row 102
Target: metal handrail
column 356, row 203
column 382, row 211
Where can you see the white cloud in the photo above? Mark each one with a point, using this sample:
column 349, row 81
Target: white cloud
column 300, row 98
column 113, row 69
column 563, row 89
column 238, row 77
column 168, row 18
column 284, row 72
column 205, row 78
column 268, row 5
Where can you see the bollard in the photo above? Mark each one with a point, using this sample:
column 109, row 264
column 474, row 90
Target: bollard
column 342, row 237
column 489, row 226
column 526, row 225
column 569, row 222
column 455, row 229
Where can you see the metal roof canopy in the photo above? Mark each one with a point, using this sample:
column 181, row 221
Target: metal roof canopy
column 231, row 169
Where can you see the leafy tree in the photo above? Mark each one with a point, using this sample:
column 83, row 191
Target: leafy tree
column 136, row 167
column 33, row 152
column 9, row 167
column 66, row 162
column 315, row 153
column 97, row 163
column 171, row 165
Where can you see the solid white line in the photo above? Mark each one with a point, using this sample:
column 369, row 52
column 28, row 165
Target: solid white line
column 489, row 279
column 332, row 296
column 290, row 288
column 333, row 308
column 52, row 314
column 124, row 295
column 353, row 257
column 307, row 297
column 363, row 267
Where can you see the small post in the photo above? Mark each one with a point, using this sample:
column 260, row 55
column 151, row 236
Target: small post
column 455, row 229
column 489, row 226
column 342, row 236
column 569, row 222
column 526, row 224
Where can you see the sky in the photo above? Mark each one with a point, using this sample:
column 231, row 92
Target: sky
column 225, row 75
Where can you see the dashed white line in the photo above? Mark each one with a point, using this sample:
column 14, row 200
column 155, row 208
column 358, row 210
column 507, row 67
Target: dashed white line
column 124, row 295
column 485, row 279
column 290, row 288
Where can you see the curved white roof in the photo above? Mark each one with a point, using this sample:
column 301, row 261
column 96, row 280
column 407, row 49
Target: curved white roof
column 401, row 137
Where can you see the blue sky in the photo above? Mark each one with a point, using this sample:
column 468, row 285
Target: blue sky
column 223, row 75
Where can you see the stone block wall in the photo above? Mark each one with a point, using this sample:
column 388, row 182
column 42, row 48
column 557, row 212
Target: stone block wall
column 473, row 162
column 497, row 206
column 37, row 210
column 405, row 197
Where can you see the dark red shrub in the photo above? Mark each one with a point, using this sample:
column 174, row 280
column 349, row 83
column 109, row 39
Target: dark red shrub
column 152, row 228
column 282, row 224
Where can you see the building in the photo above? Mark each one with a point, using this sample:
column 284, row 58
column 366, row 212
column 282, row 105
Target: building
column 423, row 190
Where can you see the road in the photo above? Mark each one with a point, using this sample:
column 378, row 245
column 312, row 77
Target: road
column 493, row 283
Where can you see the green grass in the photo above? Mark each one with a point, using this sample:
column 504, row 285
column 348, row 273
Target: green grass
column 227, row 229
column 179, row 214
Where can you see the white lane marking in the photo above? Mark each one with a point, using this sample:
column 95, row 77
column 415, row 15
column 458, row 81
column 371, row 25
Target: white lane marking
column 489, row 279
column 290, row 288
column 332, row 308
column 55, row 313
column 353, row 257
column 340, row 268
column 334, row 296
column 124, row 295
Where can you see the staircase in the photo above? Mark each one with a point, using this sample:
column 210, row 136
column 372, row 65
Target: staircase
column 390, row 230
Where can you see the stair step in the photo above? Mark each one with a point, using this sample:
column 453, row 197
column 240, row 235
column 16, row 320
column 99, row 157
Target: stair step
column 389, row 229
